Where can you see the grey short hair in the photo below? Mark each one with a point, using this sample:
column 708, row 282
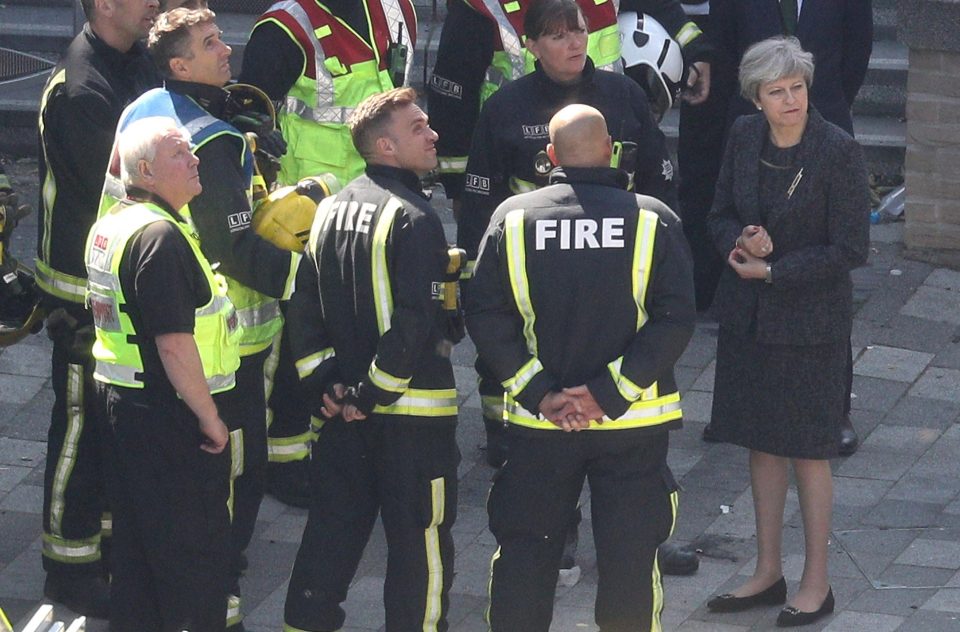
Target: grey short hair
column 139, row 142
column 773, row 59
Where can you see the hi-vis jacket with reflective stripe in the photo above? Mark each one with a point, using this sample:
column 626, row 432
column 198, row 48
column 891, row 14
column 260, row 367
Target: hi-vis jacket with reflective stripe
column 367, row 309
column 116, row 351
column 259, row 313
column 578, row 283
column 341, row 68
column 79, row 108
column 508, row 151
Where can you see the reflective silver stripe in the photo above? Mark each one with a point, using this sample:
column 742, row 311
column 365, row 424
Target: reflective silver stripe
column 324, row 111
column 522, row 378
column 640, row 414
column 71, row 445
column 127, row 376
column 423, row 403
column 327, row 114
column 233, row 610
column 306, row 366
column 511, row 45
column 453, row 164
column 385, row 381
column 643, row 260
column 319, row 221
column 70, row 287
column 628, row 390
column 70, row 548
column 516, row 265
column 257, row 315
column 113, row 187
column 491, row 407
column 434, row 598
column 382, row 294
column 687, row 33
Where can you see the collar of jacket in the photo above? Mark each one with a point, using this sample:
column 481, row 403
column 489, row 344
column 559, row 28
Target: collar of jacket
column 113, row 57
column 552, row 87
column 136, row 195
column 406, row 177
column 606, row 176
column 213, row 99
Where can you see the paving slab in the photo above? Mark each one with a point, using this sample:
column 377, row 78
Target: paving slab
column 934, row 303
column 891, row 363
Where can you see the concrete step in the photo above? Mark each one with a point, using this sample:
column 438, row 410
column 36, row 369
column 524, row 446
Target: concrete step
column 883, row 139
column 884, row 90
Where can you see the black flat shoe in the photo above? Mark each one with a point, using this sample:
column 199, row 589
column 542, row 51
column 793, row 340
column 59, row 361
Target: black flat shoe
column 790, row 617
column 775, row 595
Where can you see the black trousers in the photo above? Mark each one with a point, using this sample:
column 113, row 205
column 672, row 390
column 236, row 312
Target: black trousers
column 289, row 428
column 244, row 410
column 699, row 154
column 171, row 521
column 75, row 513
column 633, row 505
column 406, row 471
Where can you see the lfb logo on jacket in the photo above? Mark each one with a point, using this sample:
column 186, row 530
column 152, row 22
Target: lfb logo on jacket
column 238, row 221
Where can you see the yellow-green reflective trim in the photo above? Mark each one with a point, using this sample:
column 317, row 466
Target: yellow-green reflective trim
column 657, row 583
column 234, row 615
column 382, row 294
column 453, row 164
column 491, row 407
column 641, row 414
column 286, row 449
column 80, row 551
column 71, row 446
column 519, row 185
column 687, row 33
column 323, row 31
column 628, row 389
column 307, row 365
column 106, row 524
column 60, row 284
column 423, row 403
column 290, row 284
column 49, row 189
column 517, row 270
column 385, row 381
column 643, row 261
column 467, row 272
column 316, row 423
column 511, row 7
column 433, row 607
column 522, row 378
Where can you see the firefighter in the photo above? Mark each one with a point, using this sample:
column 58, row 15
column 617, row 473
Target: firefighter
column 186, row 46
column 508, row 156
column 482, row 47
column 317, row 61
column 166, row 340
column 374, row 343
column 581, row 303
column 104, row 69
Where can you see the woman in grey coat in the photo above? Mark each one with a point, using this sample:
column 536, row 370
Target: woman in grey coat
column 791, row 215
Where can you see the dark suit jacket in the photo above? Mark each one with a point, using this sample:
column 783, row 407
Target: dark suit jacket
column 819, row 234
column 839, row 33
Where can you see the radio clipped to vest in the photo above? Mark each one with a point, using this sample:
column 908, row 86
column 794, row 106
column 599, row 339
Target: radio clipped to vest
column 398, row 59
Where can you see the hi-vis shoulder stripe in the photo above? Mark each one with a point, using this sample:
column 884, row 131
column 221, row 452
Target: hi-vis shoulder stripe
column 382, row 294
column 517, row 270
column 642, row 260
column 319, row 221
column 307, row 365
column 687, row 33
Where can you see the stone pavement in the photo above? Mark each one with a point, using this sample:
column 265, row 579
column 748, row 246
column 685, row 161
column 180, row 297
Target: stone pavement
column 895, row 550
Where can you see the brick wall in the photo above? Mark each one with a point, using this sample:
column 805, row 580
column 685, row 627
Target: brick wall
column 929, row 28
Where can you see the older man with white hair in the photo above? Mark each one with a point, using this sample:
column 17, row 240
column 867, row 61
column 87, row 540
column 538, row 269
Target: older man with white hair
column 166, row 340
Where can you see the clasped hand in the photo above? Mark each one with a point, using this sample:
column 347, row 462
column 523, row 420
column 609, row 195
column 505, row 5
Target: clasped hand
column 571, row 409
column 747, row 256
column 337, row 404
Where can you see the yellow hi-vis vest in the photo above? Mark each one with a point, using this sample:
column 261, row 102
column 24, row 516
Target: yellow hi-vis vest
column 650, row 407
column 259, row 314
column 118, row 361
column 341, row 69
column 511, row 59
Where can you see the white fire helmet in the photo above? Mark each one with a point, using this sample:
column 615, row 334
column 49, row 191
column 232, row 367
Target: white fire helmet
column 651, row 58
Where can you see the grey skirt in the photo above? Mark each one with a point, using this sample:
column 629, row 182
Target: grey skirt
column 785, row 400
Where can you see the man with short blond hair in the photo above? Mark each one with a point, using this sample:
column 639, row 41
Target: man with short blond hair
column 373, row 347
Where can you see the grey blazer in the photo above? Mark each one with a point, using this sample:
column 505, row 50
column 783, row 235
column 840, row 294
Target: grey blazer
column 819, row 234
